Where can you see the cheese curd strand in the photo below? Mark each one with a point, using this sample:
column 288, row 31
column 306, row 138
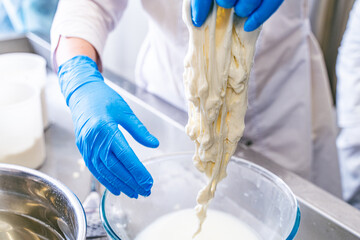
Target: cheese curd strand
column 217, row 68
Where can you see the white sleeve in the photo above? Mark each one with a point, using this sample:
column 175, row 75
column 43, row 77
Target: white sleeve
column 91, row 20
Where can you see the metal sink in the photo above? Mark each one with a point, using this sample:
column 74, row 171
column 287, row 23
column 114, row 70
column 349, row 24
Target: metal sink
column 324, row 217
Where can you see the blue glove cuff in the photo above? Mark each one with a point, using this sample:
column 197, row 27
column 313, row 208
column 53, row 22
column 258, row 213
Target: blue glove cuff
column 70, row 71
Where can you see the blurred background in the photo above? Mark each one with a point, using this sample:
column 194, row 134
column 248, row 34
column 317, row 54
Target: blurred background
column 328, row 20
column 21, row 16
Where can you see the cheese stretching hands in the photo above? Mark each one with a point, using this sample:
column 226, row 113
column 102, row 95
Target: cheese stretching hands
column 217, row 69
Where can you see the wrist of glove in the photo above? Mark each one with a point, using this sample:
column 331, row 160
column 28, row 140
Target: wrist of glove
column 97, row 110
column 257, row 11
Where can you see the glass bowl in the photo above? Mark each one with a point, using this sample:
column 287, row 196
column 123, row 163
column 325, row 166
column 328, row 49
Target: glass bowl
column 250, row 193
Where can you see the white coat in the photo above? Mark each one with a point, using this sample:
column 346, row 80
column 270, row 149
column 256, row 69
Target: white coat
column 348, row 107
column 289, row 119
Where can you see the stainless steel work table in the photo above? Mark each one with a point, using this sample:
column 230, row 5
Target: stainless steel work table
column 324, row 217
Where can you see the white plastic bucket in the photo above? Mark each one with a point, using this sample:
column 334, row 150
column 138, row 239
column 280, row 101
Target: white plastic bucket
column 21, row 127
column 26, row 67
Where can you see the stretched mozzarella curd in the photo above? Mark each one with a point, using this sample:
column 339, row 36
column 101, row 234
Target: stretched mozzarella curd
column 217, row 69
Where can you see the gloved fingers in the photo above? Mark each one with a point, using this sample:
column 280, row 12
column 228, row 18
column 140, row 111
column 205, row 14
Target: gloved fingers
column 266, row 9
column 244, row 8
column 137, row 129
column 103, row 181
column 114, row 181
column 199, row 11
column 127, row 157
column 119, row 170
column 226, row 3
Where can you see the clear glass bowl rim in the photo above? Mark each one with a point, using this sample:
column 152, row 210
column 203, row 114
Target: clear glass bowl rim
column 254, row 167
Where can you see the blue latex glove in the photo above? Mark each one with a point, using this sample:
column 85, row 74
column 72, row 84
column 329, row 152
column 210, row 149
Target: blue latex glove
column 96, row 112
column 257, row 11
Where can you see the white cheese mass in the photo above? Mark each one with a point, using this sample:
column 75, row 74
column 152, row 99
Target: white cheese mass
column 217, row 69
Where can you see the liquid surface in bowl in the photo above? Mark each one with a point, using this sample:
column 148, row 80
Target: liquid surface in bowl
column 18, row 227
column 181, row 225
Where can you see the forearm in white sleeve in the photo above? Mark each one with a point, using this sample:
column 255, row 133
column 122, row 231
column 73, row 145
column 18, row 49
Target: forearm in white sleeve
column 91, row 20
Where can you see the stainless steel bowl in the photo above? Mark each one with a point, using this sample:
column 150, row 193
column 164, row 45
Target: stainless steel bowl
column 36, row 206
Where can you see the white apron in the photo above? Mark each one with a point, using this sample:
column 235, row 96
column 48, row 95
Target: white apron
column 289, row 119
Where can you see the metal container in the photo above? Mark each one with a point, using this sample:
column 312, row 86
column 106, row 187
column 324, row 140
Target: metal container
column 35, row 206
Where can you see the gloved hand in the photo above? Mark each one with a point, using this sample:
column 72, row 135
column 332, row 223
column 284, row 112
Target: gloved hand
column 257, row 11
column 96, row 112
